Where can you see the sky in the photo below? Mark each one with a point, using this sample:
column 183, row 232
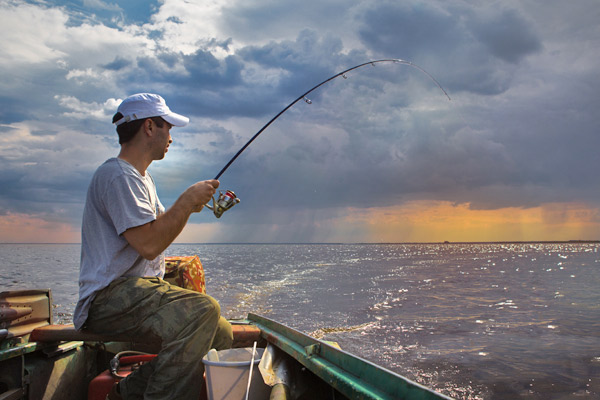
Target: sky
column 380, row 155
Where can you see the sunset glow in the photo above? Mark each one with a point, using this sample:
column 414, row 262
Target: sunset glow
column 442, row 221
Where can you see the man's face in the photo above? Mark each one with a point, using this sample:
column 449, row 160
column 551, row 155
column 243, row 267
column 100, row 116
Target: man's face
column 162, row 140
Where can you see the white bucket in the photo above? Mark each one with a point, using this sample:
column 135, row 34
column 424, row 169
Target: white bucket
column 227, row 378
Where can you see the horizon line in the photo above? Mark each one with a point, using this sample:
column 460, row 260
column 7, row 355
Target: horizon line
column 345, row 243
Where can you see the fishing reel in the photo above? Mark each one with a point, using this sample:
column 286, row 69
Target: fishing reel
column 226, row 200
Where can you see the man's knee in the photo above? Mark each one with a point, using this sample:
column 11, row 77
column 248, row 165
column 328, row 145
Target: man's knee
column 185, row 314
column 204, row 308
column 223, row 336
column 214, row 305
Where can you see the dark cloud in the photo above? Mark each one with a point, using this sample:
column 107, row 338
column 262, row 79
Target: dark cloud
column 461, row 46
column 408, row 30
column 507, row 35
column 28, row 93
column 301, row 62
column 117, row 64
column 276, row 20
column 205, row 71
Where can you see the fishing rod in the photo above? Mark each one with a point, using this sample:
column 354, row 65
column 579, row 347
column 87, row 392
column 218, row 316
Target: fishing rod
column 228, row 199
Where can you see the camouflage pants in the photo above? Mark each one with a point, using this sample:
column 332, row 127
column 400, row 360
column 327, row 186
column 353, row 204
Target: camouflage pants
column 187, row 323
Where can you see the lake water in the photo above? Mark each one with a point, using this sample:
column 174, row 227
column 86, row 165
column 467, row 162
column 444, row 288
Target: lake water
column 473, row 321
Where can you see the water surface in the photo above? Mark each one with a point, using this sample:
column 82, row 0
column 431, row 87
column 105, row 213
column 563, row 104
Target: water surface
column 474, row 321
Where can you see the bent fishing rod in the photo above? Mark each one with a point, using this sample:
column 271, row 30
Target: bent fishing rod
column 228, row 199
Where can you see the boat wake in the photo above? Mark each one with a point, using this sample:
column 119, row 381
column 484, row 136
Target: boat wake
column 322, row 332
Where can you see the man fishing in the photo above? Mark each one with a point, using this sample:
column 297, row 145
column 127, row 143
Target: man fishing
column 125, row 231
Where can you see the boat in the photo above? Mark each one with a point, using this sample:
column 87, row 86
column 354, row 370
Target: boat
column 43, row 360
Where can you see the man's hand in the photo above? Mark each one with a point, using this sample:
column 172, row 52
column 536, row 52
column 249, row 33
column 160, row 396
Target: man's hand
column 199, row 194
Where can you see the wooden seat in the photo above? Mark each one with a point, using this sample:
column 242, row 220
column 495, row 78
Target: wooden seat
column 67, row 333
column 243, row 335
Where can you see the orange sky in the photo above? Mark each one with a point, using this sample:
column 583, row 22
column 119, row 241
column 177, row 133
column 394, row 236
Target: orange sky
column 21, row 228
column 439, row 221
column 418, row 221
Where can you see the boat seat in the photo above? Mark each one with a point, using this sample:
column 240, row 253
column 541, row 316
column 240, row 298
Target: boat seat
column 68, row 333
column 243, row 335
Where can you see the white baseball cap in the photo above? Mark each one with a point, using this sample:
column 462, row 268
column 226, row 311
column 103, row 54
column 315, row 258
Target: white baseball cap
column 146, row 105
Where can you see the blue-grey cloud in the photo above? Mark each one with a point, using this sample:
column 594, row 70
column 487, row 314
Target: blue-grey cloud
column 117, row 64
column 466, row 47
column 409, row 29
column 507, row 35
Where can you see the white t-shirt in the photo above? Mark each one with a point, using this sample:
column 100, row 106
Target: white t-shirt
column 118, row 198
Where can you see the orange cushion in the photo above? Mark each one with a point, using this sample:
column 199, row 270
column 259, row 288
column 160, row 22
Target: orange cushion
column 185, row 272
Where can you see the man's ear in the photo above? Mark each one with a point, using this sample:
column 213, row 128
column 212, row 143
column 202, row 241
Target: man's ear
column 148, row 126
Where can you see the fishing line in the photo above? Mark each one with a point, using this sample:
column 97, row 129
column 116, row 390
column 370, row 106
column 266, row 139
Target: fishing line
column 228, row 199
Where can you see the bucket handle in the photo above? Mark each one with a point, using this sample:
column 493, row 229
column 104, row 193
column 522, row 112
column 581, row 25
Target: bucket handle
column 250, row 373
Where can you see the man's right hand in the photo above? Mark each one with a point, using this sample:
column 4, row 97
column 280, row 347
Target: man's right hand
column 200, row 193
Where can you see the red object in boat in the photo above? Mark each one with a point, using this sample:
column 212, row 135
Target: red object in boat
column 101, row 385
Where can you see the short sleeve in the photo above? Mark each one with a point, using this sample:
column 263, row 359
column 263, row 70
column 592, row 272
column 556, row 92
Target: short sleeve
column 128, row 202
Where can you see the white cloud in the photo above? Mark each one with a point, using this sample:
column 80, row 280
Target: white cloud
column 89, row 46
column 84, row 110
column 27, row 32
column 186, row 26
